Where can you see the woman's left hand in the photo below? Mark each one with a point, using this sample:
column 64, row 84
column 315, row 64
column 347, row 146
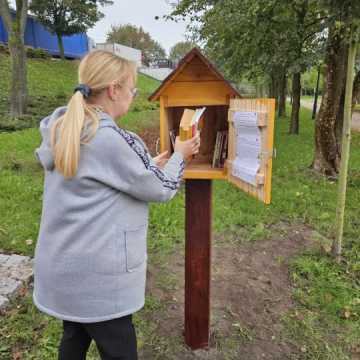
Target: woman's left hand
column 161, row 159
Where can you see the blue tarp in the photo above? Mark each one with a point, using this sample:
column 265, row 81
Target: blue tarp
column 37, row 36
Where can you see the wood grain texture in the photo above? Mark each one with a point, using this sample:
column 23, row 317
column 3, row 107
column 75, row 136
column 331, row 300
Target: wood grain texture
column 197, row 262
column 164, row 125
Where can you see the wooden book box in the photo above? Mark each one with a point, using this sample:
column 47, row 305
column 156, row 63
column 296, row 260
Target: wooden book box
column 196, row 83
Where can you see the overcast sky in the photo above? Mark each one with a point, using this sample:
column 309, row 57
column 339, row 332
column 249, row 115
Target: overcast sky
column 141, row 13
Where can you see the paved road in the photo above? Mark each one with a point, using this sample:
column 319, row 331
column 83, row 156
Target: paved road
column 355, row 125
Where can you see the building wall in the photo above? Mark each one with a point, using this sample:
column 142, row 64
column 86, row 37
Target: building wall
column 37, row 36
column 123, row 51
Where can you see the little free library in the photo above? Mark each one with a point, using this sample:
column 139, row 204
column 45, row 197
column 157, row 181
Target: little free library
column 236, row 145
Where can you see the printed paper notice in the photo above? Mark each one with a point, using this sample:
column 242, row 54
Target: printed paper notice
column 248, row 146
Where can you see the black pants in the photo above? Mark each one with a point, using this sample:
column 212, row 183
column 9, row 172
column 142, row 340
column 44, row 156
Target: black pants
column 115, row 339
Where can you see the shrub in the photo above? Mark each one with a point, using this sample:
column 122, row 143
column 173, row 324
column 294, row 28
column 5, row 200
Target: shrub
column 4, row 48
column 37, row 53
column 7, row 124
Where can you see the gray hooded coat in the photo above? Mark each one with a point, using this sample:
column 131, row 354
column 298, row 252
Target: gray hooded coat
column 90, row 256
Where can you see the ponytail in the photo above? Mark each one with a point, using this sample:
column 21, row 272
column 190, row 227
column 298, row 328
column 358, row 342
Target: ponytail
column 80, row 121
column 69, row 132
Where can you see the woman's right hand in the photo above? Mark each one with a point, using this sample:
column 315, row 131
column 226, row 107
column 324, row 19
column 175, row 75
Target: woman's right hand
column 188, row 147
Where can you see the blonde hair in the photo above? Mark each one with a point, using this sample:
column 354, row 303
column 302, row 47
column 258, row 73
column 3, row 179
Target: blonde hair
column 80, row 122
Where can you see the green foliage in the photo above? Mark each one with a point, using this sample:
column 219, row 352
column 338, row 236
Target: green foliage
column 308, row 81
column 67, row 17
column 137, row 38
column 179, row 50
column 251, row 38
column 37, row 53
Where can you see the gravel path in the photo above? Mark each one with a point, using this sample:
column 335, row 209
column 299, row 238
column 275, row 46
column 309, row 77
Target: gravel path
column 15, row 273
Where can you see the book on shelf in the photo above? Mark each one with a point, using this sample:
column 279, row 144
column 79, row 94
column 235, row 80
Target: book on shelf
column 224, row 149
column 220, row 149
column 215, row 149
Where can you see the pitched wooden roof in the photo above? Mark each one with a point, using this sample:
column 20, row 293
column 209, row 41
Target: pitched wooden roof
column 195, row 52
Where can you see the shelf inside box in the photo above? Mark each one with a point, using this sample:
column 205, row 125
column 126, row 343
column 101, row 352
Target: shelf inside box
column 215, row 119
column 204, row 171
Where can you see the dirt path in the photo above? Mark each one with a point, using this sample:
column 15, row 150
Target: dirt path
column 355, row 125
column 251, row 291
column 356, row 121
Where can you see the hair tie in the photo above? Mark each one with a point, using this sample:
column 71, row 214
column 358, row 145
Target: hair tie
column 84, row 89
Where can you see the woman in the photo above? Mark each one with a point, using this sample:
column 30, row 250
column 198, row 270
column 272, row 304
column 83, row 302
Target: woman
column 90, row 257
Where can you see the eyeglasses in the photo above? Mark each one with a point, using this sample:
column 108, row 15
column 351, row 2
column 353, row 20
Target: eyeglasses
column 134, row 91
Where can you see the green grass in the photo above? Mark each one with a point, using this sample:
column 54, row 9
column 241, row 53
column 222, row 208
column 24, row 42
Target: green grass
column 50, row 84
column 323, row 291
column 325, row 321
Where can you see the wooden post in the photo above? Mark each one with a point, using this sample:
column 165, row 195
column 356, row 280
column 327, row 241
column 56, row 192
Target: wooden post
column 197, row 263
column 345, row 150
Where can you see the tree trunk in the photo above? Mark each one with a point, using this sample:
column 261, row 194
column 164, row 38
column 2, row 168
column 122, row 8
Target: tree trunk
column 345, row 152
column 316, row 94
column 61, row 46
column 327, row 153
column 16, row 29
column 18, row 92
column 272, row 87
column 282, row 95
column 295, row 110
column 340, row 121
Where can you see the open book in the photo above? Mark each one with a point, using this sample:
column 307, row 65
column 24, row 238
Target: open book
column 189, row 123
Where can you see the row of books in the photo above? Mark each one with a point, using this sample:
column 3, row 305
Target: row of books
column 220, row 149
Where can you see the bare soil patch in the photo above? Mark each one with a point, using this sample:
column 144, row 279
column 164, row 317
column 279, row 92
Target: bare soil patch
column 251, row 291
column 150, row 136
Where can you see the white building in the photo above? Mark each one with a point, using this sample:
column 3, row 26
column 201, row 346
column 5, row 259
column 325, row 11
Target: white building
column 122, row 51
column 156, row 73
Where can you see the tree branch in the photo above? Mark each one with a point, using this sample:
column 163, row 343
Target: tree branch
column 316, row 21
column 23, row 15
column 6, row 15
column 308, row 36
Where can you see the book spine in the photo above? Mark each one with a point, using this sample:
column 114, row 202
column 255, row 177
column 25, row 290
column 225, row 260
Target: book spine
column 218, row 155
column 224, row 151
column 220, row 149
column 215, row 149
column 185, row 133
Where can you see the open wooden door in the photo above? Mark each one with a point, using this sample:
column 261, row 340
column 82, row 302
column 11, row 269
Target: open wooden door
column 251, row 138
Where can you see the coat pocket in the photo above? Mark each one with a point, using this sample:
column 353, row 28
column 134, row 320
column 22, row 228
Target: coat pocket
column 135, row 248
